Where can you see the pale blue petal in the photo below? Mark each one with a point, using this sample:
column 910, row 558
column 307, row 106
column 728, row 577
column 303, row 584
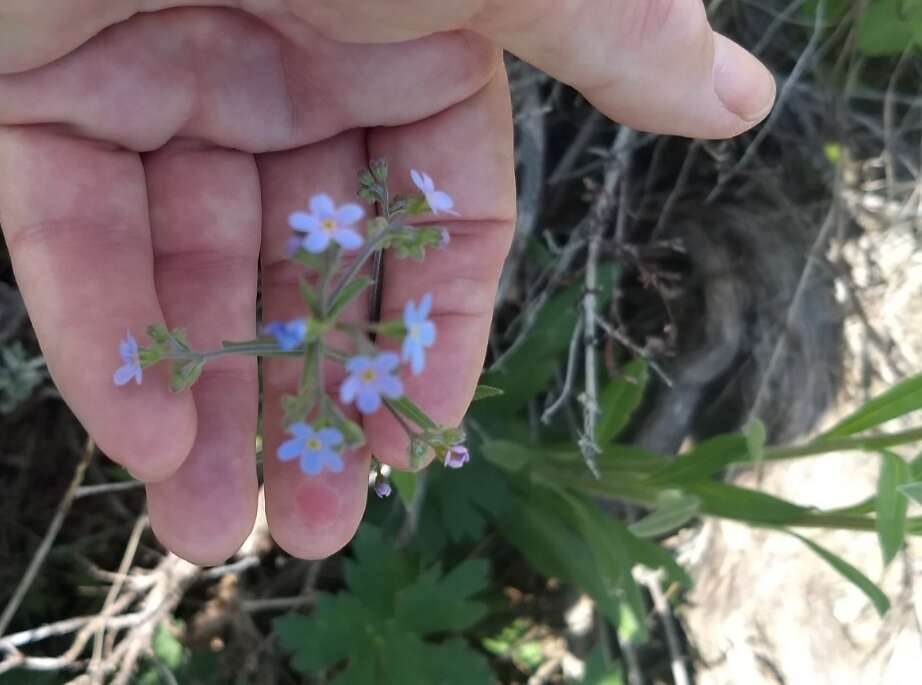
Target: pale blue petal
column 390, row 386
column 322, row 206
column 427, row 334
column 330, row 437
column 409, row 344
column 386, row 362
column 421, row 181
column 128, row 347
column 368, row 400
column 425, row 306
column 348, row 239
column 440, row 202
column 349, row 213
column 310, row 463
column 317, row 242
column 301, row 430
column 358, row 364
column 138, row 374
column 409, row 313
column 124, row 374
column 418, row 360
column 349, row 389
column 332, row 460
column 291, row 449
column 304, row 222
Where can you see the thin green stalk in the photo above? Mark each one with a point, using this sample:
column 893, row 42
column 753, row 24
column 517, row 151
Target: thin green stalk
column 853, row 443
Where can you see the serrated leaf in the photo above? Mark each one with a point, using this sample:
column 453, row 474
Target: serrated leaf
column 377, row 573
column 673, row 510
column 347, row 294
column 891, row 504
column 435, row 604
column 892, row 404
column 484, row 391
column 620, row 399
column 703, row 461
column 326, row 636
column 850, row 573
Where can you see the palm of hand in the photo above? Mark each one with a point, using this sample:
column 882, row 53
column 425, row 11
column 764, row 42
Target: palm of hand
column 150, row 173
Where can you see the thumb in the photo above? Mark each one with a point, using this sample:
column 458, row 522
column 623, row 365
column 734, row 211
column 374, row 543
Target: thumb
column 654, row 65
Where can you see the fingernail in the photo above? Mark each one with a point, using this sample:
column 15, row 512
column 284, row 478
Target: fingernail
column 742, row 82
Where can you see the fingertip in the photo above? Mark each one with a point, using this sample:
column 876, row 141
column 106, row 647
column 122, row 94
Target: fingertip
column 742, row 83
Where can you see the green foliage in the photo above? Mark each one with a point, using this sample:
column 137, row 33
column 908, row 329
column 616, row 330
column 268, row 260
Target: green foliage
column 620, row 399
column 900, row 400
column 384, row 629
column 599, row 672
column 19, row 376
column 886, row 28
column 892, row 505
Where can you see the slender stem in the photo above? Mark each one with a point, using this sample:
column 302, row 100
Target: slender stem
column 859, row 443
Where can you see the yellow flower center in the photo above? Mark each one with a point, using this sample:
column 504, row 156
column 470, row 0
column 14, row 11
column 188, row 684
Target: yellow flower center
column 328, row 225
column 368, row 375
column 313, row 444
column 413, row 331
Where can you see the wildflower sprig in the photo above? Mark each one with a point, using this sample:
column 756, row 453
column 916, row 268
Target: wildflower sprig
column 371, row 380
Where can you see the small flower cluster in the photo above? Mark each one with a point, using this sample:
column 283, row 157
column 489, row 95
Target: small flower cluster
column 319, row 428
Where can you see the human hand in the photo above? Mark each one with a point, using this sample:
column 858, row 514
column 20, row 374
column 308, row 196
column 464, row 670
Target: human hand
column 148, row 163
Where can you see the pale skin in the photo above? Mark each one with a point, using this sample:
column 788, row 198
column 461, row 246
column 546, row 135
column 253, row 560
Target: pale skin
column 150, row 152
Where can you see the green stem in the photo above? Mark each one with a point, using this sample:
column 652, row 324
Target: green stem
column 859, row 443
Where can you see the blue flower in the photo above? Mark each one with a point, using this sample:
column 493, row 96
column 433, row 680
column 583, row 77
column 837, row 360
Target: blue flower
column 457, row 456
column 369, row 378
column 288, row 334
column 420, row 333
column 438, row 201
column 382, row 488
column 131, row 362
column 326, row 222
column 315, row 449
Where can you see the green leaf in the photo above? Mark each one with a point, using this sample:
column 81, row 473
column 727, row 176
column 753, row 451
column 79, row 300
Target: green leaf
column 888, row 27
column 891, row 504
column 743, row 504
column 309, row 295
column 407, row 408
column 168, row 648
column 435, row 604
column 755, row 433
column 377, row 573
column 185, row 373
column 347, row 294
column 704, row 460
column 620, row 399
column 850, row 573
column 894, row 403
column 406, row 483
column 484, row 391
column 673, row 510
column 454, row 663
column 326, row 636
column 913, row 491
column 599, row 672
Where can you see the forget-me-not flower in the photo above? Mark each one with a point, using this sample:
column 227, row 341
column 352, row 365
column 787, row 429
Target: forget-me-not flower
column 382, row 488
column 369, row 378
column 315, row 449
column 420, row 333
column 131, row 362
column 288, row 334
column 439, row 201
column 457, row 456
column 326, row 222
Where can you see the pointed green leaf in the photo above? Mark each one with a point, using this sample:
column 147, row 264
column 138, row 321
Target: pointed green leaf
column 406, row 483
column 484, row 391
column 894, row 403
column 619, row 400
column 407, row 408
column 850, row 573
column 755, row 434
column 913, row 491
column 704, row 460
column 743, row 504
column 891, row 504
column 673, row 510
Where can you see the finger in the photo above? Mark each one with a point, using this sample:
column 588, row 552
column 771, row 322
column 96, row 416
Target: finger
column 205, row 221
column 654, row 65
column 227, row 78
column 468, row 151
column 75, row 218
column 310, row 516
